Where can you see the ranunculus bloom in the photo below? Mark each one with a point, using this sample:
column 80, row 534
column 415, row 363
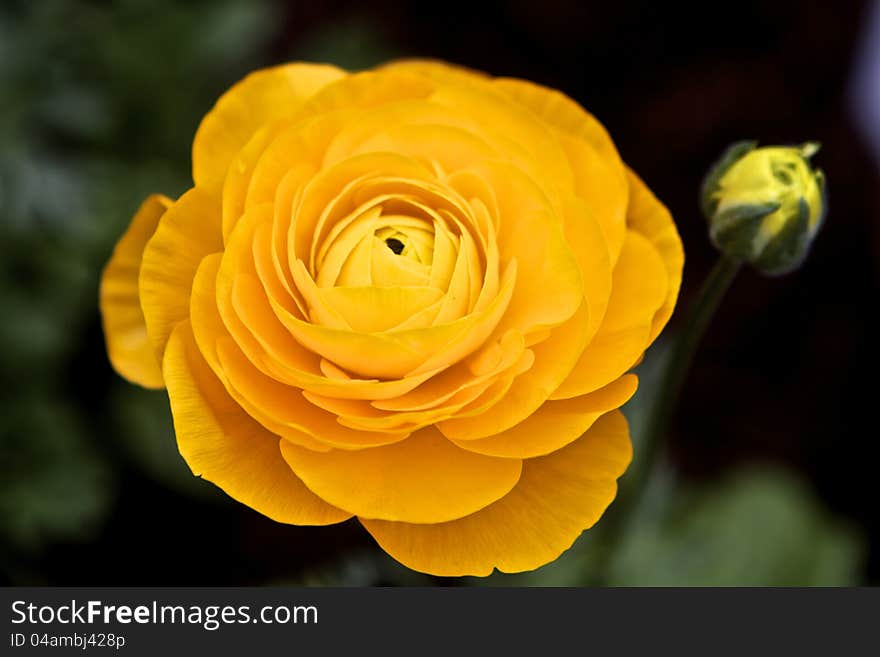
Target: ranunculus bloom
column 409, row 295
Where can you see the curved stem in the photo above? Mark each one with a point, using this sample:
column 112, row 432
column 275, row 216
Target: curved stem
column 663, row 405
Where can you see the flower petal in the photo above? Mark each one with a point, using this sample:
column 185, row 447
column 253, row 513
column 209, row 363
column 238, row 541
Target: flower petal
column 649, row 217
column 556, row 498
column 423, row 479
column 188, row 231
column 555, row 424
column 554, row 358
column 639, row 288
column 590, row 249
column 375, row 309
column 125, row 331
column 223, row 445
column 599, row 176
column 549, row 287
column 263, row 96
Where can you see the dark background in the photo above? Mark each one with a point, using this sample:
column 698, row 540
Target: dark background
column 770, row 473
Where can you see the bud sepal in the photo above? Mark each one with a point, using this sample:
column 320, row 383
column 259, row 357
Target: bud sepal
column 764, row 205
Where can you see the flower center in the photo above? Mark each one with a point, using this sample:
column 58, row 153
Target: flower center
column 409, row 238
column 394, row 244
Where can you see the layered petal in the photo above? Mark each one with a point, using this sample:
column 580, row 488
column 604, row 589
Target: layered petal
column 599, row 175
column 650, row 218
column 639, row 288
column 554, row 358
column 423, row 479
column 555, row 423
column 222, row 444
column 264, row 96
column 188, row 231
column 557, row 497
column 125, row 329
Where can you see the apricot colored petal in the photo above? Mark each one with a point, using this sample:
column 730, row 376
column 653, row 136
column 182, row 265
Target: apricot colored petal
column 590, row 249
column 222, row 444
column 417, row 127
column 288, row 361
column 554, row 359
column 208, row 330
column 549, row 285
column 557, row 497
column 125, row 330
column 562, row 113
column 390, row 355
column 649, row 217
column 188, row 231
column 423, row 479
column 403, row 354
column 492, row 359
column 263, row 96
column 438, row 70
column 556, row 423
column 602, row 187
column 374, row 309
column 599, row 176
column 639, row 288
column 286, row 405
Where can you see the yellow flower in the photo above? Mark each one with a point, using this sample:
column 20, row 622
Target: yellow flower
column 765, row 205
column 410, row 295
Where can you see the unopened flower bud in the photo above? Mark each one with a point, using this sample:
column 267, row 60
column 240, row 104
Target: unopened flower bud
column 765, row 205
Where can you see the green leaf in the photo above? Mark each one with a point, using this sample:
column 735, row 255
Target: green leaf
column 760, row 526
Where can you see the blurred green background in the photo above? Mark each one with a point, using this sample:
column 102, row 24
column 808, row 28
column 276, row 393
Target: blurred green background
column 769, row 475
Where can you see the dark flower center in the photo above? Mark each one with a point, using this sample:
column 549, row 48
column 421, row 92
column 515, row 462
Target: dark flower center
column 395, row 245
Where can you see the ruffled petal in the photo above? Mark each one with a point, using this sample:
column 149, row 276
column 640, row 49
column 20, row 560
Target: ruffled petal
column 263, row 96
column 649, row 217
column 554, row 358
column 423, row 479
column 188, row 231
column 557, row 497
column 599, row 176
column 639, row 287
column 555, row 424
column 125, row 330
column 222, row 444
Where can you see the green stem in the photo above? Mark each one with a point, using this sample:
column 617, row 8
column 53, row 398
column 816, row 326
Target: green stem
column 661, row 410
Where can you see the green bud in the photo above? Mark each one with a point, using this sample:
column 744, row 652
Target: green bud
column 765, row 205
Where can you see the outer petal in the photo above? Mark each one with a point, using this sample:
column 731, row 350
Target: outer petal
column 187, row 232
column 557, row 497
column 222, row 444
column 599, row 176
column 562, row 113
column 649, row 217
column 556, row 423
column 422, row 479
column 439, row 70
column 639, row 288
column 128, row 346
column 261, row 97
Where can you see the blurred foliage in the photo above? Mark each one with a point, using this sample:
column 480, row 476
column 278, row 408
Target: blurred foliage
column 360, row 568
column 142, row 423
column 55, row 484
column 759, row 526
column 352, row 42
column 99, row 105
